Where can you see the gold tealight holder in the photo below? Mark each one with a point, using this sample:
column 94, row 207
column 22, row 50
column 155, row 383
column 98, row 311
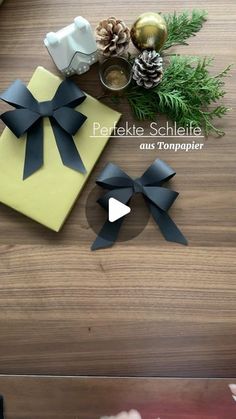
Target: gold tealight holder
column 115, row 74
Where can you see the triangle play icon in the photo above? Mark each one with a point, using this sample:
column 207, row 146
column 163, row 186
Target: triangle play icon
column 116, row 210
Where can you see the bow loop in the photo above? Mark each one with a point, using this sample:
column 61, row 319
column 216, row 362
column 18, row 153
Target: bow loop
column 68, row 94
column 28, row 117
column 157, row 173
column 123, row 195
column 161, row 197
column 19, row 96
column 113, row 177
column 69, row 119
column 158, row 199
column 19, row 121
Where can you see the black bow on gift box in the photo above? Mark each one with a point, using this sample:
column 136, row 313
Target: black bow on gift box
column 28, row 118
column 159, row 200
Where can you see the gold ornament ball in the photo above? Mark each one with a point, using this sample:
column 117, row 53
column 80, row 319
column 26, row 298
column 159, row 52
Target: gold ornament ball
column 149, row 31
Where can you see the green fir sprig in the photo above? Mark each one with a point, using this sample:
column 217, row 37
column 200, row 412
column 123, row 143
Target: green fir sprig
column 183, row 26
column 188, row 93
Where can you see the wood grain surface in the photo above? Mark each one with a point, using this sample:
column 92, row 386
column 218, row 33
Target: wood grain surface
column 145, row 307
column 91, row 398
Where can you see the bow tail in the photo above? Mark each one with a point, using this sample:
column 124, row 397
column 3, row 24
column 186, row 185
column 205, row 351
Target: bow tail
column 110, row 230
column 34, row 149
column 167, row 226
column 107, row 235
column 69, row 154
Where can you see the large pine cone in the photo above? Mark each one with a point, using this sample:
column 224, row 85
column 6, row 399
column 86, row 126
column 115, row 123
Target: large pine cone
column 148, row 69
column 112, row 36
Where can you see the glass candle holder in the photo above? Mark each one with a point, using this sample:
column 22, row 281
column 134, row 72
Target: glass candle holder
column 115, row 74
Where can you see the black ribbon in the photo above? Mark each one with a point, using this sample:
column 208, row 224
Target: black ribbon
column 122, row 187
column 28, row 118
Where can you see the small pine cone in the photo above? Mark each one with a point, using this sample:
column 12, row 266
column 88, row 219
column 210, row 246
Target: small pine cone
column 148, row 69
column 112, row 37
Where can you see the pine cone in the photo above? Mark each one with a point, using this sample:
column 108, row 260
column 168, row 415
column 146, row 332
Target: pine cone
column 112, row 36
column 148, row 69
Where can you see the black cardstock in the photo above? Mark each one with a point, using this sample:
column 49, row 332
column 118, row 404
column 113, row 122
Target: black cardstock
column 28, row 118
column 158, row 199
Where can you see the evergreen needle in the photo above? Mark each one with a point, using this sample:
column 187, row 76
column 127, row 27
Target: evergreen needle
column 187, row 94
column 183, row 26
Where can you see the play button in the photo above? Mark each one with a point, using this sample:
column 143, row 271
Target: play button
column 132, row 224
column 116, row 210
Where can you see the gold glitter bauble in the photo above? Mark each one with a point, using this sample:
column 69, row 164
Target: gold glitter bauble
column 149, row 31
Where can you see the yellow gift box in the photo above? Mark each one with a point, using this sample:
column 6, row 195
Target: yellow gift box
column 48, row 195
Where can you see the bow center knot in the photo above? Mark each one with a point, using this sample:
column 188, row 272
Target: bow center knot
column 46, row 108
column 137, row 186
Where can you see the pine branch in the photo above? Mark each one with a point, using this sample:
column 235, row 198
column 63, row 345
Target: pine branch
column 225, row 72
column 139, row 100
column 172, row 100
column 187, row 94
column 183, row 26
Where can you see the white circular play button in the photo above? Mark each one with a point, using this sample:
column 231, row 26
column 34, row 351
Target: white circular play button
column 132, row 225
column 116, row 210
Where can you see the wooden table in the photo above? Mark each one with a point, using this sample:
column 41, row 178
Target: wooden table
column 145, row 307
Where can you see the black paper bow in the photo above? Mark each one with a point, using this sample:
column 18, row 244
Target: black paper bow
column 28, row 118
column 158, row 199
